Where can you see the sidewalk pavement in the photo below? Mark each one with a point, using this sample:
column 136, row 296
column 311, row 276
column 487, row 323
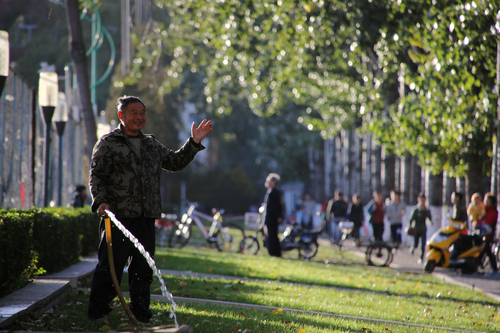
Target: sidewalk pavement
column 40, row 295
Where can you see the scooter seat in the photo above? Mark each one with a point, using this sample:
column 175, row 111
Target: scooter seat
column 464, row 243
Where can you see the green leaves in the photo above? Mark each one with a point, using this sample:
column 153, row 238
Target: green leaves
column 345, row 61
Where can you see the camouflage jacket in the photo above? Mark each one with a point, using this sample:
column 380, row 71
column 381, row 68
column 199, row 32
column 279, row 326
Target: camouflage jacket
column 131, row 186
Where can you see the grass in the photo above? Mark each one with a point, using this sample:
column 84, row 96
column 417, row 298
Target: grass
column 334, row 282
column 205, row 318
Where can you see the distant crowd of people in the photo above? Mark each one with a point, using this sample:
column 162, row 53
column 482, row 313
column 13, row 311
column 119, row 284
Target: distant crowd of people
column 482, row 216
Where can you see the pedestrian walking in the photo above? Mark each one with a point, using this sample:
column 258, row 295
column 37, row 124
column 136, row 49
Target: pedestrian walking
column 336, row 212
column 419, row 217
column 356, row 214
column 395, row 212
column 376, row 209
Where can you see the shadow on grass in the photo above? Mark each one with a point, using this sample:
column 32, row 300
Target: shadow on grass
column 231, row 266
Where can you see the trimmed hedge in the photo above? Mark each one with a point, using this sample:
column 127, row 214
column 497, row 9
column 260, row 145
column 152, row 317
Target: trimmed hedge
column 43, row 241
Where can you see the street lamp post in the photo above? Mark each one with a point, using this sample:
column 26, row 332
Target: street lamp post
column 60, row 119
column 48, row 89
column 4, row 59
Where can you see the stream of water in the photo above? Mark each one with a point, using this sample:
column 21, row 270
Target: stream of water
column 150, row 261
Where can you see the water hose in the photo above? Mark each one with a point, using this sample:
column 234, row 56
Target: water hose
column 107, row 222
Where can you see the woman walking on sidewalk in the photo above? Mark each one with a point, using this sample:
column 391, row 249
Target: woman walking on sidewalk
column 418, row 219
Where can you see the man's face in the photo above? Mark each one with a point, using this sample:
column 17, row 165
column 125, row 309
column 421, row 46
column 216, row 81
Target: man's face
column 422, row 201
column 133, row 118
column 269, row 183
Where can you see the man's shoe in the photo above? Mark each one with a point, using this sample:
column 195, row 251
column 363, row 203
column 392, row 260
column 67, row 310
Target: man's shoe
column 419, row 261
column 101, row 320
column 492, row 274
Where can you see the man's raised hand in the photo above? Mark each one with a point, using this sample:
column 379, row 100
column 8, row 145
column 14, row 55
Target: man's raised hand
column 198, row 133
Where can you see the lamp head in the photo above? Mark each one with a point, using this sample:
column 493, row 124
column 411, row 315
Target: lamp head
column 61, row 113
column 48, row 88
column 4, row 53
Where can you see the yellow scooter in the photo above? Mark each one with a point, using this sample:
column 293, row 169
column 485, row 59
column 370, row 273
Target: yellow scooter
column 452, row 247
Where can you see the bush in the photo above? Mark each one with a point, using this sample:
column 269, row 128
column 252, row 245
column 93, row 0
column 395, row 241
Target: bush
column 18, row 260
column 36, row 241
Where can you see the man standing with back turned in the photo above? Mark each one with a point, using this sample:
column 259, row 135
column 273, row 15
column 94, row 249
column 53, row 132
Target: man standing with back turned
column 273, row 214
column 125, row 179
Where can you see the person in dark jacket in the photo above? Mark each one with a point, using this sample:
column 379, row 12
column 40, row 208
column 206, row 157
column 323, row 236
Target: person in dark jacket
column 458, row 210
column 125, row 180
column 79, row 196
column 356, row 214
column 273, row 214
column 336, row 212
column 490, row 219
column 418, row 219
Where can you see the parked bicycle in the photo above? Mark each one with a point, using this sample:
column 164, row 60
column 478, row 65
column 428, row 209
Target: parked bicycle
column 224, row 236
column 163, row 228
column 294, row 237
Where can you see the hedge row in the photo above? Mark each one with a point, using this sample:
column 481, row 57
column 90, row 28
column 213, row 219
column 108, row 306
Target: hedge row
column 43, row 241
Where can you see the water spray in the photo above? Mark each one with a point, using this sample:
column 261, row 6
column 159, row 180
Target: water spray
column 149, row 260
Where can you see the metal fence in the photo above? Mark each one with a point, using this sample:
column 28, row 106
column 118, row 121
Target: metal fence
column 22, row 155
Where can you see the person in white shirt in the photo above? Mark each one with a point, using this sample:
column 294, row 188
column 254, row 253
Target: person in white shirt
column 395, row 213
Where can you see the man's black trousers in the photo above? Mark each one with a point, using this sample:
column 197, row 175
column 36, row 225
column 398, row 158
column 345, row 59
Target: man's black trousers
column 140, row 275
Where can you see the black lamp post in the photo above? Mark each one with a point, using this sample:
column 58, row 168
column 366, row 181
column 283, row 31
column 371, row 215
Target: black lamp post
column 47, row 99
column 60, row 119
column 4, row 59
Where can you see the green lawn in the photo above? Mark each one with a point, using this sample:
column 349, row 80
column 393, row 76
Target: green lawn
column 349, row 288
column 335, row 282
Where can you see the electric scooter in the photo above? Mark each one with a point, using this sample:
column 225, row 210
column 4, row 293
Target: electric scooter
column 452, row 247
column 305, row 241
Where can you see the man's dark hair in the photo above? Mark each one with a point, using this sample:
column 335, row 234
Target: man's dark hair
column 123, row 101
column 458, row 195
column 490, row 196
column 80, row 188
column 397, row 192
column 421, row 195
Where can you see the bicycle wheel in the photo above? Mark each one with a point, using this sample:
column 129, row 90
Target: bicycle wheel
column 180, row 236
column 230, row 237
column 308, row 251
column 379, row 255
column 249, row 245
column 223, row 240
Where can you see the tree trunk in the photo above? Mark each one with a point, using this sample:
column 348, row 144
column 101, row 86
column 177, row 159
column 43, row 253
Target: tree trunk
column 450, row 186
column 388, row 173
column 367, row 169
column 348, row 162
column 357, row 159
column 474, row 181
column 339, row 181
column 77, row 52
column 434, row 189
column 416, row 180
column 406, row 174
column 377, row 167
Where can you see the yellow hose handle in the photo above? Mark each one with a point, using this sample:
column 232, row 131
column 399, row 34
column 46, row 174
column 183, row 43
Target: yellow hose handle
column 109, row 242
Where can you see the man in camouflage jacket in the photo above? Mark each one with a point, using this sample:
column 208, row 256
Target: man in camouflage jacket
column 125, row 179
